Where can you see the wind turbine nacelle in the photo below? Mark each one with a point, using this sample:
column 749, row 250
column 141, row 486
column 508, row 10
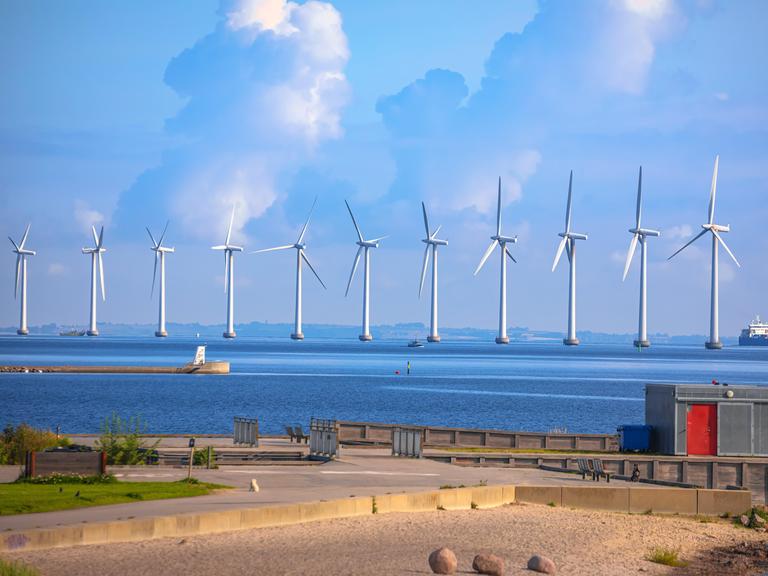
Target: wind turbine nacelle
column 163, row 249
column 505, row 239
column 235, row 248
column 368, row 244
column 717, row 227
column 25, row 252
column 435, row 241
column 300, row 246
column 645, row 232
column 93, row 250
column 573, row 235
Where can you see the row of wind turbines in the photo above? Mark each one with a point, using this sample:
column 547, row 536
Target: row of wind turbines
column 567, row 244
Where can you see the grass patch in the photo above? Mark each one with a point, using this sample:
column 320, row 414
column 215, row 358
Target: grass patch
column 25, row 498
column 16, row 569
column 666, row 556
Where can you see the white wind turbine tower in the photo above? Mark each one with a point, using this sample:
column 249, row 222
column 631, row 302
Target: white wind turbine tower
column 640, row 235
column 229, row 275
column 364, row 246
column 501, row 241
column 432, row 242
column 96, row 260
column 160, row 252
column 21, row 278
column 714, row 329
column 300, row 246
column 569, row 243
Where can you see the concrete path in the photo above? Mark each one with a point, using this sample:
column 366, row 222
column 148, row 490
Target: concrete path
column 359, row 472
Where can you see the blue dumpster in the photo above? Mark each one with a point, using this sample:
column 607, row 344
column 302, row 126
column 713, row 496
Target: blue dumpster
column 635, row 437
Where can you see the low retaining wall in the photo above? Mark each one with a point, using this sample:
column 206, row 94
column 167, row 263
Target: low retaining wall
column 630, row 499
column 377, row 433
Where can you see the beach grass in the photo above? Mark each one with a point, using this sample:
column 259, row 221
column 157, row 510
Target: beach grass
column 16, row 569
column 666, row 557
column 25, row 498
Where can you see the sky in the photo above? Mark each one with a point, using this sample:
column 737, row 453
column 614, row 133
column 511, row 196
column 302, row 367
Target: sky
column 132, row 113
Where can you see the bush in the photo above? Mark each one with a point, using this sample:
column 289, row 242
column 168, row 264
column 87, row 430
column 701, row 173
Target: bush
column 121, row 440
column 666, row 556
column 15, row 442
column 16, row 569
column 201, row 457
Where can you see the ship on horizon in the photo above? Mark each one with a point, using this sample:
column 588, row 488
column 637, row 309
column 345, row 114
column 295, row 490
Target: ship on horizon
column 755, row 334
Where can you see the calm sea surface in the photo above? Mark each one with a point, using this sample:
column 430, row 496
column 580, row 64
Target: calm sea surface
column 523, row 386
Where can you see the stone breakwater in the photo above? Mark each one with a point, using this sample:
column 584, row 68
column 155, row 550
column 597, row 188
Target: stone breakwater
column 207, row 368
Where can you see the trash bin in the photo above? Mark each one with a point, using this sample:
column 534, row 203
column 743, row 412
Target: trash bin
column 634, row 437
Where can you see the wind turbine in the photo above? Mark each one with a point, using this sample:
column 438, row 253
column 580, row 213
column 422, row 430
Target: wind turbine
column 96, row 252
column 364, row 246
column 714, row 329
column 501, row 241
column 21, row 278
column 640, row 235
column 300, row 246
column 229, row 274
column 569, row 243
column 160, row 252
column 432, row 242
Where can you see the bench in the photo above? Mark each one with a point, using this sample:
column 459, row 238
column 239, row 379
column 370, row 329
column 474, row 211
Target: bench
column 585, row 468
column 599, row 471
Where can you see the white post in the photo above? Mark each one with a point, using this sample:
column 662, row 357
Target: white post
column 23, row 330
column 297, row 334
column 366, row 335
column 502, row 337
column 571, row 340
column 230, row 333
column 714, row 327
column 642, row 332
column 92, row 330
column 161, row 313
column 433, row 333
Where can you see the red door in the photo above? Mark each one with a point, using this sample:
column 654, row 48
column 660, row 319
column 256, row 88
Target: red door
column 702, row 429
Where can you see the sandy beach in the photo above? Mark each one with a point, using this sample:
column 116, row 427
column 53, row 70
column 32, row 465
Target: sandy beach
column 579, row 541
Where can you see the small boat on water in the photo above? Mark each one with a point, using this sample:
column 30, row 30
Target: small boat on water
column 415, row 343
column 72, row 333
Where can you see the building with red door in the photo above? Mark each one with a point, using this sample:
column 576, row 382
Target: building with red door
column 707, row 420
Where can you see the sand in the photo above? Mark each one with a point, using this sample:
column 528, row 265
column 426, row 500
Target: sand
column 580, row 542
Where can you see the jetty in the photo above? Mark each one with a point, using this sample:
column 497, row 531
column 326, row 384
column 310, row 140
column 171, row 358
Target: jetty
column 198, row 366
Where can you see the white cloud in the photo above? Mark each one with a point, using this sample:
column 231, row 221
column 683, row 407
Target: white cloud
column 681, row 231
column 722, row 96
column 57, row 269
column 87, row 216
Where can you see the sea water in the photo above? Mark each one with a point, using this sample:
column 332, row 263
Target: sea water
column 521, row 386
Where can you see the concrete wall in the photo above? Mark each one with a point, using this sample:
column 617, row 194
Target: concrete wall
column 621, row 499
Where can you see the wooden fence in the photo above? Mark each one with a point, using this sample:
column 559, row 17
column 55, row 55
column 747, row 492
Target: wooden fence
column 65, row 462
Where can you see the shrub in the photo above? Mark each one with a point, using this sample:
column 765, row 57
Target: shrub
column 121, row 440
column 666, row 556
column 201, row 457
column 15, row 442
column 16, row 569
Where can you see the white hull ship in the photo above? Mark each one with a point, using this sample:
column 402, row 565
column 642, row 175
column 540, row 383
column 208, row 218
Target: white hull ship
column 755, row 334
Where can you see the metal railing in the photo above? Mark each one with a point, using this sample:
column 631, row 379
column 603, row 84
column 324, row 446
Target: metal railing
column 246, row 431
column 323, row 438
column 406, row 442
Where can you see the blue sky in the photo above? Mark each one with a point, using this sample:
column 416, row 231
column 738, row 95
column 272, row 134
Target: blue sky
column 131, row 113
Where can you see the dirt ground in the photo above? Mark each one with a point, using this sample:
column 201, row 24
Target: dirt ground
column 580, row 542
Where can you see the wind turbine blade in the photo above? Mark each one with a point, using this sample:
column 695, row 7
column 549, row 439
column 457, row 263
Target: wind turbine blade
column 154, row 243
column 226, row 269
column 485, row 256
column 379, row 239
column 691, row 241
column 24, row 238
column 272, row 249
column 101, row 276
column 424, row 268
column 354, row 267
column 498, row 212
column 559, row 252
column 304, row 229
column 16, row 247
column 510, row 254
column 568, row 207
column 162, row 236
column 101, row 238
column 95, row 236
column 630, row 254
column 713, row 192
column 154, row 275
column 231, row 222
column 639, row 201
column 720, row 239
column 426, row 221
column 357, row 228
column 18, row 275
column 304, row 257
column 436, row 232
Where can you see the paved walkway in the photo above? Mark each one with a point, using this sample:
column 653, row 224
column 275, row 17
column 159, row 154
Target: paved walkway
column 359, row 472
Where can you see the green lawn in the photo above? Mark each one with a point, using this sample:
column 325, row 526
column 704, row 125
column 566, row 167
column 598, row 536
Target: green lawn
column 24, row 498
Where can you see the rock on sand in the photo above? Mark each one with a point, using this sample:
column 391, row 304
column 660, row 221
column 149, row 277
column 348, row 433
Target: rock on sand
column 542, row 564
column 488, row 564
column 443, row 561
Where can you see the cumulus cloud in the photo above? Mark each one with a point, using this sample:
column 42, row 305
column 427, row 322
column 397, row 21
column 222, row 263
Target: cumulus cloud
column 262, row 91
column 85, row 216
column 681, row 231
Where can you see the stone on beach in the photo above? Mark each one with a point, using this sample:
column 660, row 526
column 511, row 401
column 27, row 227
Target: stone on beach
column 488, row 564
column 443, row 561
column 542, row 564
